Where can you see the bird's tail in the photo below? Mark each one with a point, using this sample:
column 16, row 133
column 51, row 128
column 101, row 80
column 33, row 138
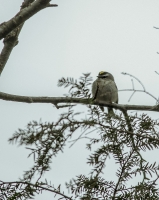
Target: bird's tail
column 111, row 112
column 102, row 108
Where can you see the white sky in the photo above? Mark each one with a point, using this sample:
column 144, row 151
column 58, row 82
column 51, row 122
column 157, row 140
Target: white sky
column 74, row 38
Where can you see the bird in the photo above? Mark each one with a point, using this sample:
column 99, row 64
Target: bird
column 104, row 89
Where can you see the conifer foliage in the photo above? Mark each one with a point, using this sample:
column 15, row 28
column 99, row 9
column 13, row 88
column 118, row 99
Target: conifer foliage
column 124, row 138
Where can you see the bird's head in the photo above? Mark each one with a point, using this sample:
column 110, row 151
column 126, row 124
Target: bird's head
column 105, row 75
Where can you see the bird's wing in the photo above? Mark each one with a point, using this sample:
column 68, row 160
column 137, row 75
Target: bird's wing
column 94, row 90
column 117, row 93
column 108, row 91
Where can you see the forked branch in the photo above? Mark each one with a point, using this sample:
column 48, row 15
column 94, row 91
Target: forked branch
column 134, row 90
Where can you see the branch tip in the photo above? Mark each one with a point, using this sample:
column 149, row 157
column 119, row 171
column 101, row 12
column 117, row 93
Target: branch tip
column 52, row 5
column 155, row 27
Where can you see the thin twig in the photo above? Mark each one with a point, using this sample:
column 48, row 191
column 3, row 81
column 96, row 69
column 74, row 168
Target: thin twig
column 52, row 5
column 37, row 186
column 63, row 106
column 144, row 89
column 124, row 73
column 121, row 174
column 130, row 129
column 132, row 83
column 155, row 27
column 131, row 96
column 157, row 72
column 91, row 131
column 139, row 91
column 74, row 141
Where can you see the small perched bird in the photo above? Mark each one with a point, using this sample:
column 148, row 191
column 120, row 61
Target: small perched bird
column 104, row 89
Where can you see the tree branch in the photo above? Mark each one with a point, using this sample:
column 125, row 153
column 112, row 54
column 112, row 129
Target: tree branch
column 56, row 100
column 157, row 72
column 134, row 90
column 23, row 15
column 36, row 186
column 10, row 41
column 11, row 29
column 155, row 27
column 123, row 168
column 135, row 148
column 128, row 132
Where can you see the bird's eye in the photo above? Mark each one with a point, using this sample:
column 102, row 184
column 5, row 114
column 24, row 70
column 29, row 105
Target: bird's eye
column 104, row 77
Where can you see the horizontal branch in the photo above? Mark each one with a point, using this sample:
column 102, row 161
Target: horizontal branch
column 133, row 90
column 56, row 100
column 23, row 15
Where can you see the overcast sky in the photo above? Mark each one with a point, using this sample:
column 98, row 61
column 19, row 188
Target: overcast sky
column 74, row 38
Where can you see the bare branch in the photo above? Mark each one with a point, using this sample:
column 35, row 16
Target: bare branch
column 139, row 91
column 157, row 72
column 132, row 83
column 155, row 27
column 28, row 9
column 79, row 137
column 124, row 73
column 144, row 89
column 56, row 100
column 23, row 15
column 63, row 106
column 52, row 5
column 10, row 41
column 131, row 96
